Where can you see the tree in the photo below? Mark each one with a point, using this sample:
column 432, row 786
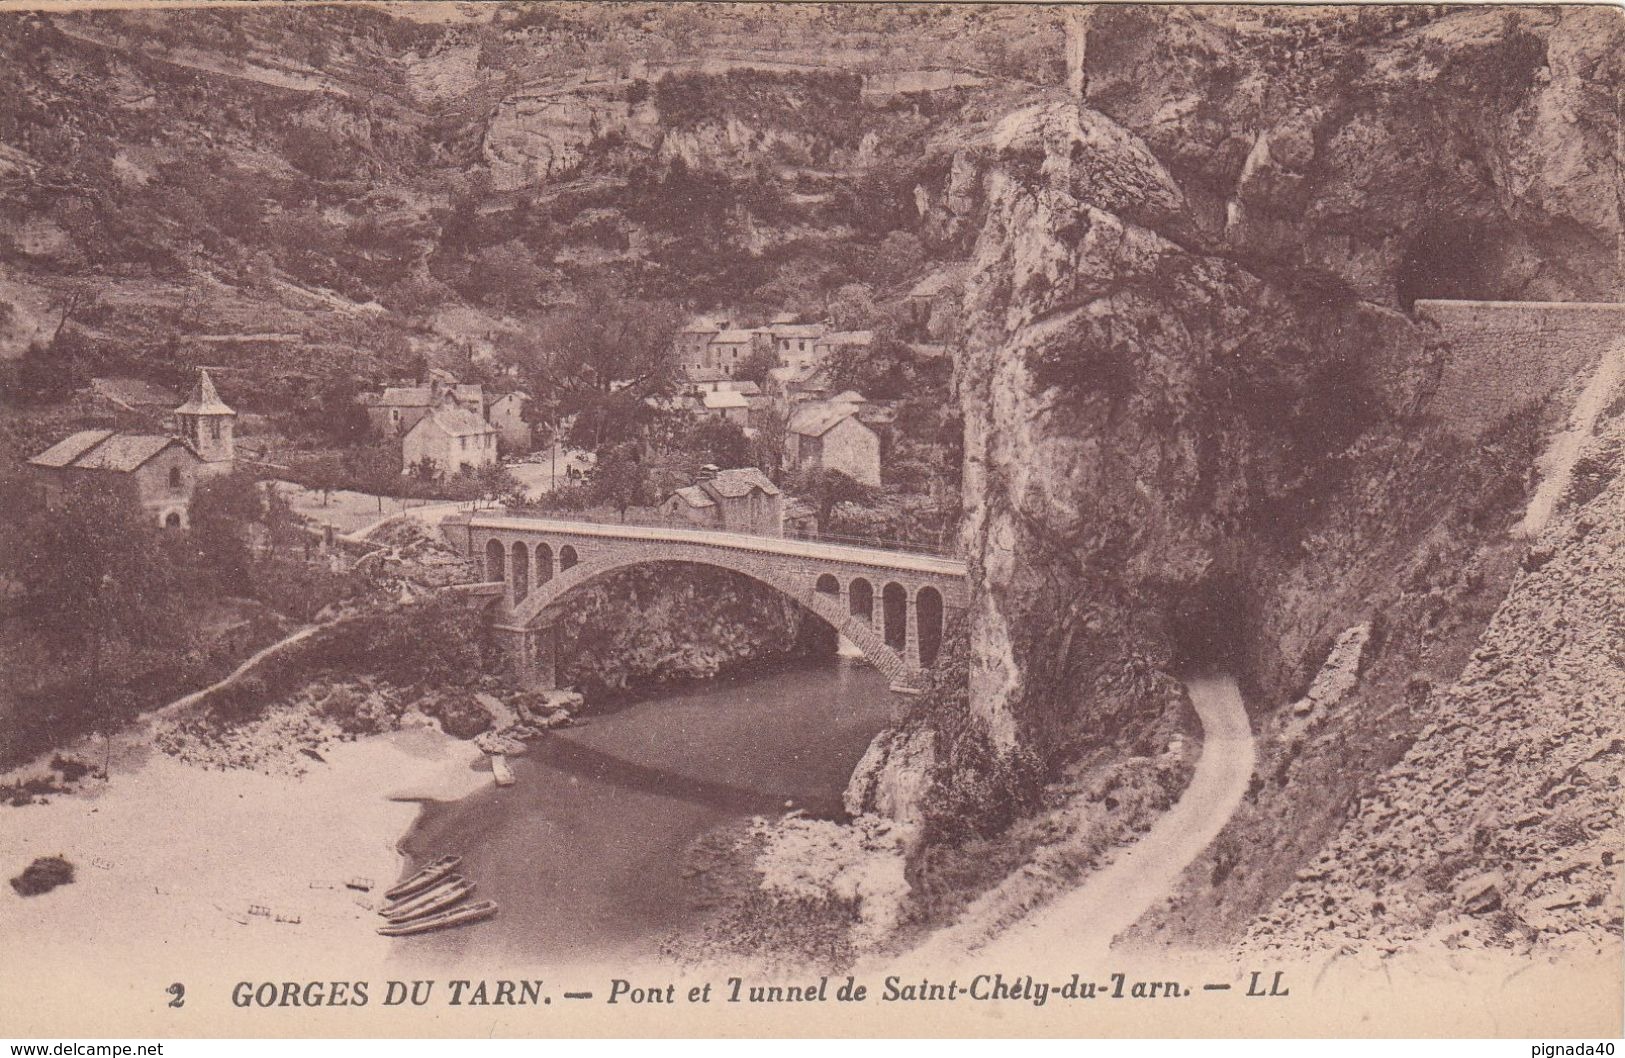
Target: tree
column 755, row 367
column 95, row 571
column 604, row 359
column 719, row 441
column 852, row 307
column 771, row 437
column 224, row 509
column 375, row 469
column 493, row 482
column 620, row 479
column 825, row 488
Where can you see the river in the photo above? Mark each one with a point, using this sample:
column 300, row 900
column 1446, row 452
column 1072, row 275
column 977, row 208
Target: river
column 583, row 854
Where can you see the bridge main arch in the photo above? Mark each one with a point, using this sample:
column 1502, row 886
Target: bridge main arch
column 525, row 625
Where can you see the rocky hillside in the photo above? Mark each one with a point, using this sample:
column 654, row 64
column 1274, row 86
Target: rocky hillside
column 323, row 192
column 1500, row 826
column 1201, row 426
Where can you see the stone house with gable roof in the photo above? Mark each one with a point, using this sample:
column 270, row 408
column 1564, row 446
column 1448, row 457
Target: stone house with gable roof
column 742, row 500
column 453, row 438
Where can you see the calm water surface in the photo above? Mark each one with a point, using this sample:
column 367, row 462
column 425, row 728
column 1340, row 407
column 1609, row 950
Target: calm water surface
column 583, row 854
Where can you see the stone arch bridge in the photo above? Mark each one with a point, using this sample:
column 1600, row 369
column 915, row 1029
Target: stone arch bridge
column 892, row 605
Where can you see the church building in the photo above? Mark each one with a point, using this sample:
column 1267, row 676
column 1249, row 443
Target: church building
column 160, row 470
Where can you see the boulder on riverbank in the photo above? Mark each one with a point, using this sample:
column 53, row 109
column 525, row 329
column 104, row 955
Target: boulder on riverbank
column 43, row 875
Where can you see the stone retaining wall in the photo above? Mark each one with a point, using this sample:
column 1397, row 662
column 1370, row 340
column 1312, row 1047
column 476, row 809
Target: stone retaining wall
column 1500, row 356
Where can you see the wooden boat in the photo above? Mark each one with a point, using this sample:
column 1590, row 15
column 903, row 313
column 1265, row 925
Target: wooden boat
column 434, row 900
column 500, row 770
column 458, row 916
column 424, row 878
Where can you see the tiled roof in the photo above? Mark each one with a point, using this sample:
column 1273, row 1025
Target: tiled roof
column 733, row 484
column 695, row 496
column 815, row 420
column 423, row 396
column 404, row 396
column 204, row 399
column 850, row 396
column 70, row 448
column 797, row 330
column 133, row 392
column 705, row 374
column 104, row 450
column 458, row 422
column 731, row 338
column 747, row 387
column 725, row 398
column 125, row 452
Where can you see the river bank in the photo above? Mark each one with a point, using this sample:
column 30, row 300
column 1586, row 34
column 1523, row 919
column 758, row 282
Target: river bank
column 179, row 858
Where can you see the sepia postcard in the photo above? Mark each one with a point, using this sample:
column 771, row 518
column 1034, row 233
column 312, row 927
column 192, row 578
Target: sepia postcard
column 671, row 519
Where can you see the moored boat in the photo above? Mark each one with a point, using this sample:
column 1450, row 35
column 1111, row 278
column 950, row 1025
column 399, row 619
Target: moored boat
column 424, row 878
column 441, row 896
column 459, row 916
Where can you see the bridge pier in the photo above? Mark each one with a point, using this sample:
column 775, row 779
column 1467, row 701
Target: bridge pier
column 533, row 655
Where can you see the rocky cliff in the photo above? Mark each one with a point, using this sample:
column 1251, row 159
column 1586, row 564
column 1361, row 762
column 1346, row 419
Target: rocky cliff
column 1201, row 426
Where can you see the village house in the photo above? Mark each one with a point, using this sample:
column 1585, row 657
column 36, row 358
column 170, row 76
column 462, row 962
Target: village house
column 730, row 349
column 507, row 414
column 828, row 435
column 452, row 439
column 738, row 501
column 837, row 341
column 692, row 347
column 934, row 302
column 794, row 343
column 159, row 471
column 789, row 386
column 131, row 395
column 704, row 380
column 726, row 404
column 397, row 409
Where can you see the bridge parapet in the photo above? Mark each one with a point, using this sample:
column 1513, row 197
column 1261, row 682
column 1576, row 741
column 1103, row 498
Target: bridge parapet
column 893, row 606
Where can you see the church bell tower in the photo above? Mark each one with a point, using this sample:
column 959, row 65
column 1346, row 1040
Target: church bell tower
column 206, row 424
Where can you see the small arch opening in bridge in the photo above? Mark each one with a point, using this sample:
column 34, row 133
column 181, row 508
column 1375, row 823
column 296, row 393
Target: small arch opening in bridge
column 861, row 599
column 828, row 584
column 544, row 564
column 495, row 568
column 567, row 557
column 928, row 615
column 521, row 571
column 894, row 613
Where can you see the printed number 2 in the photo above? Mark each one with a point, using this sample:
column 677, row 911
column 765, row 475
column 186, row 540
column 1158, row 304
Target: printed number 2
column 177, row 990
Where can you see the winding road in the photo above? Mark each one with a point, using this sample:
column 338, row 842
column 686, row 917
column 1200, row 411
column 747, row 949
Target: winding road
column 1084, row 922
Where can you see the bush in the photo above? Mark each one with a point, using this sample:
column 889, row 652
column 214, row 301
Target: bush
column 357, row 712
column 43, row 875
column 977, row 791
column 460, row 715
column 1592, row 473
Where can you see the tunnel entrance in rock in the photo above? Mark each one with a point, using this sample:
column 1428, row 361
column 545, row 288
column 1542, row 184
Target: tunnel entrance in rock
column 1207, row 628
column 1452, row 260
